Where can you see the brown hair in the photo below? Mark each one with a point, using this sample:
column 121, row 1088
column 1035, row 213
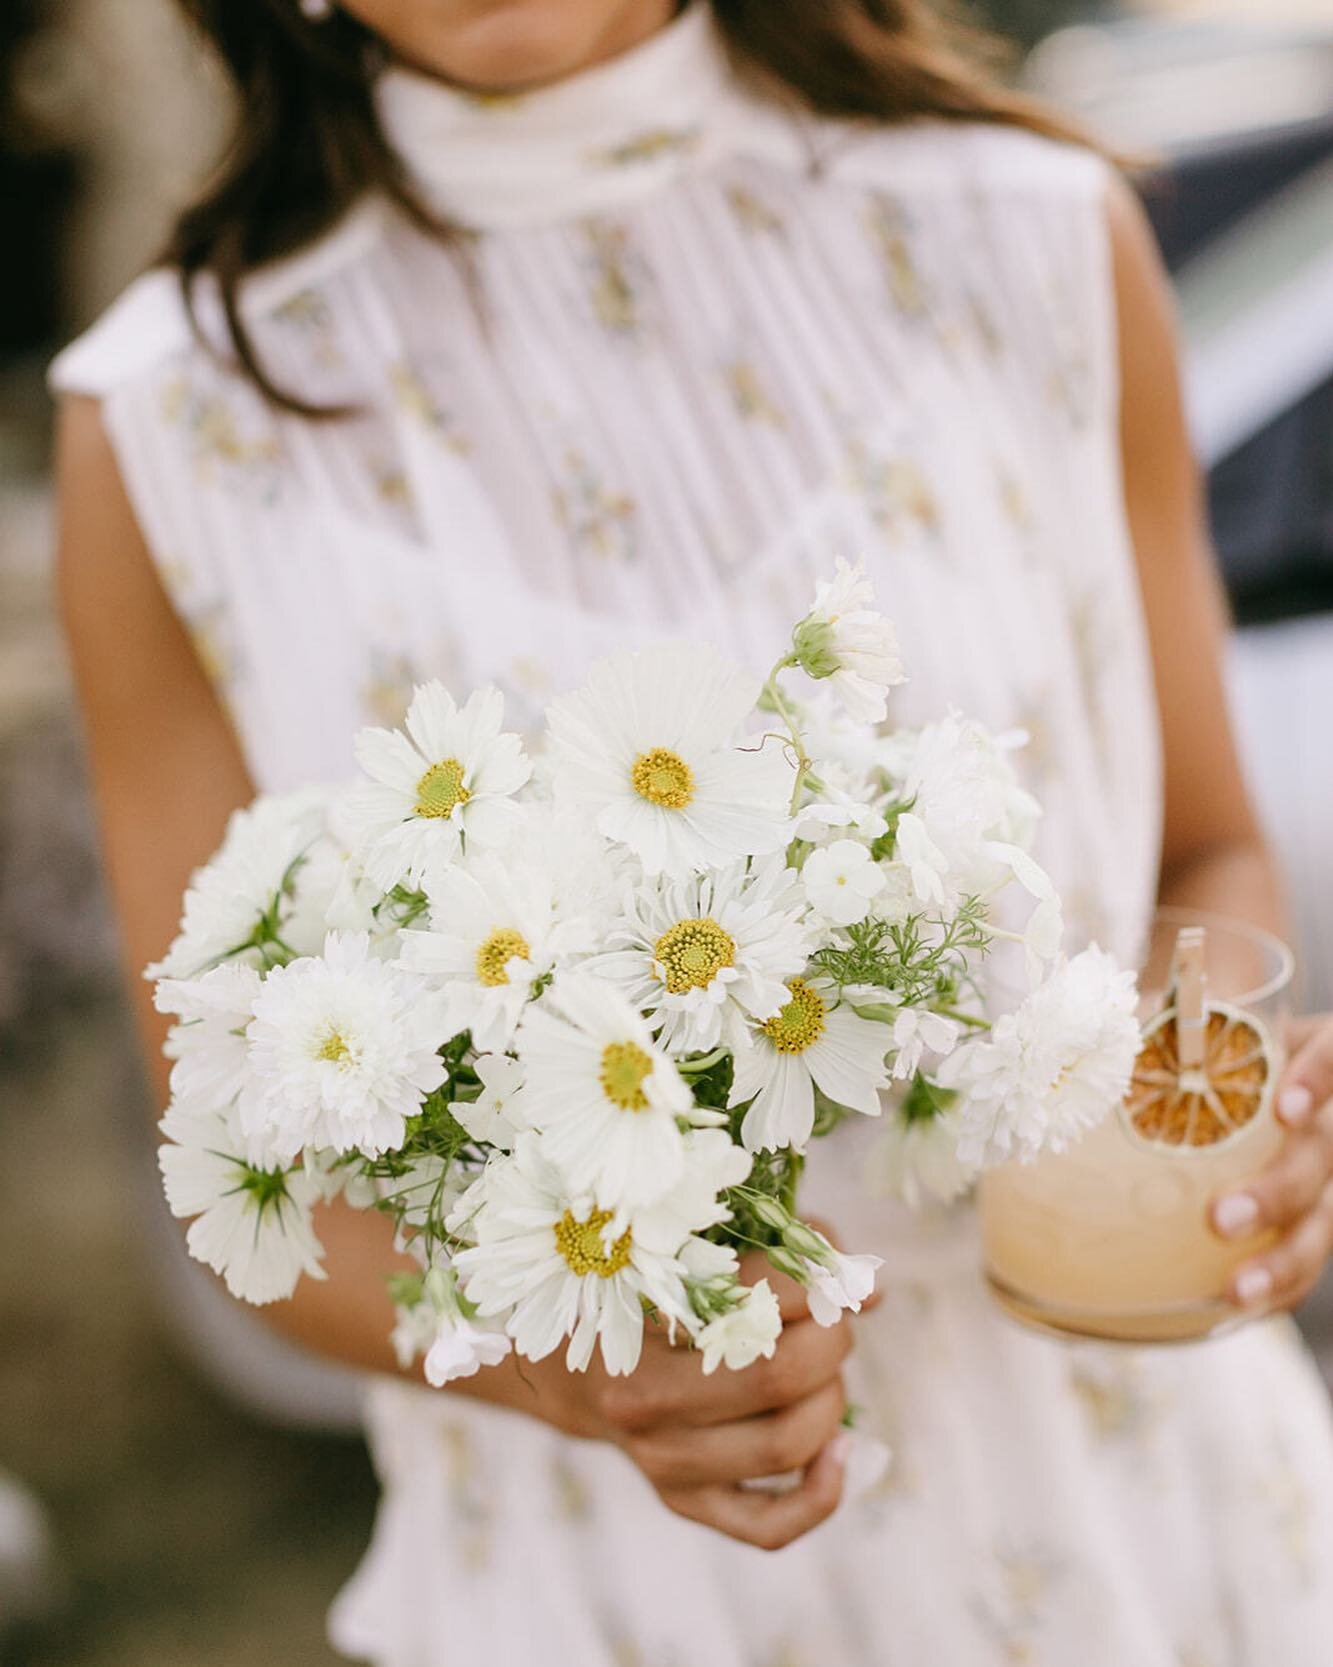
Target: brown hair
column 307, row 144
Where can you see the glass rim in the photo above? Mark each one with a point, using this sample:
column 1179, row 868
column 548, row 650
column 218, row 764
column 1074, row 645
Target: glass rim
column 1281, row 951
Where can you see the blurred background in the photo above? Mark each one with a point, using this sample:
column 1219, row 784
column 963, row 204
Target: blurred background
column 170, row 1489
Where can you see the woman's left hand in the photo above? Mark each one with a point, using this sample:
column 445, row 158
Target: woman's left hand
column 1294, row 1193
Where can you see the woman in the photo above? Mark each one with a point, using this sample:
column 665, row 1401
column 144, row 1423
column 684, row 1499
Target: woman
column 729, row 294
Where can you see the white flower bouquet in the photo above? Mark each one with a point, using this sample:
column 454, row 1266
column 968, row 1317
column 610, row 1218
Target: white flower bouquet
column 572, row 1019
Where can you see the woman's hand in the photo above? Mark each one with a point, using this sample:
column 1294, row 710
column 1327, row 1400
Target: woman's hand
column 1294, row 1194
column 697, row 1438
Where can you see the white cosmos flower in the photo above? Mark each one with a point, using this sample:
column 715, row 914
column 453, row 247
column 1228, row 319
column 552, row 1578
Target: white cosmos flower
column 919, row 1159
column 603, row 1092
column 705, row 955
column 841, row 881
column 837, row 1282
column 448, row 780
column 916, row 1029
column 648, row 747
column 1050, row 1069
column 843, row 638
column 248, row 887
column 455, row 1346
column 808, row 1044
column 253, row 1226
column 343, row 1049
column 743, row 1334
column 488, row 1118
column 555, row 1267
column 208, row 1045
column 494, row 932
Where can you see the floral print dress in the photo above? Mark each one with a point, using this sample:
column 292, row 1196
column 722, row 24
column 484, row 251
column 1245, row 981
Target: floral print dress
column 685, row 349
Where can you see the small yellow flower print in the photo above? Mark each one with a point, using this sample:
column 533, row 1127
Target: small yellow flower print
column 221, row 448
column 649, row 146
column 469, row 1497
column 413, row 397
column 573, row 1498
column 309, row 314
column 387, row 692
column 896, row 493
column 749, row 395
column 599, row 520
column 616, row 278
column 753, row 212
column 888, row 224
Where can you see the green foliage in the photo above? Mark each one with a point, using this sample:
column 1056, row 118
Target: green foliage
column 923, row 961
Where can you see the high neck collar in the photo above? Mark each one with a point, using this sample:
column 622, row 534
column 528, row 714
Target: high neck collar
column 594, row 143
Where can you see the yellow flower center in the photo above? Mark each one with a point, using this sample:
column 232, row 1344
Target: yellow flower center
column 693, row 952
column 440, row 791
column 335, row 1048
column 624, row 1067
column 663, row 778
column 497, row 952
column 801, row 1021
column 583, row 1248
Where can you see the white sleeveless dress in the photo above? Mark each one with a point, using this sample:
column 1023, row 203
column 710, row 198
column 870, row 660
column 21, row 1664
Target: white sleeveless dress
column 692, row 350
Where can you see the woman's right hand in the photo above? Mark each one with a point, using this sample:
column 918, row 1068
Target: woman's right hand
column 696, row 1438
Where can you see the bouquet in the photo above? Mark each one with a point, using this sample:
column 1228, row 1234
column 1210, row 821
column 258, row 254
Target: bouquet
column 573, row 1017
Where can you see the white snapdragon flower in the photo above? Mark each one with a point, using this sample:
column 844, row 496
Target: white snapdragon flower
column 743, row 1334
column 918, row 1159
column 648, row 748
column 448, row 780
column 808, row 1044
column 844, row 639
column 455, row 1345
column 841, row 881
column 493, row 934
column 252, row 1225
column 555, row 1268
column 605, row 1094
column 244, row 897
column 701, row 957
column 490, row 1117
column 1052, row 1068
column 342, row 1050
column 916, row 1029
column 836, row 1283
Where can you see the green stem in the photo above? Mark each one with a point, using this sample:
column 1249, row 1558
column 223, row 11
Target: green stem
column 784, row 711
column 963, row 1018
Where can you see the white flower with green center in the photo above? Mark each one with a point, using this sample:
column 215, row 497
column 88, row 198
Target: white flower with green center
column 841, row 881
column 493, row 933
column 704, row 957
column 809, row 1044
column 252, row 1225
column 342, row 1051
column 445, row 784
column 844, row 639
column 555, row 1267
column 648, row 747
column 603, row 1092
column 241, row 903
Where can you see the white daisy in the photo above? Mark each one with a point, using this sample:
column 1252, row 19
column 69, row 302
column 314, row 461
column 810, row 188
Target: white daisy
column 493, row 933
column 743, row 1334
column 253, row 1226
column 240, row 903
column 342, row 1050
column 489, row 1117
column 208, row 1045
column 648, row 746
column 808, row 1045
column 556, row 1267
column 447, row 781
column 704, row 955
column 844, row 639
column 1050, row 1069
column 605, row 1095
column 841, row 881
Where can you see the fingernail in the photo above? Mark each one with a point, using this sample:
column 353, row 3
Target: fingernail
column 1294, row 1104
column 1252, row 1286
column 1235, row 1214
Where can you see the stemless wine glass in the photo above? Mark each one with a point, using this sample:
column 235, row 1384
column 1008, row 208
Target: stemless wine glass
column 1111, row 1239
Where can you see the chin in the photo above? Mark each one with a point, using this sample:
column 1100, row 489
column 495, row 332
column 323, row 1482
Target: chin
column 498, row 45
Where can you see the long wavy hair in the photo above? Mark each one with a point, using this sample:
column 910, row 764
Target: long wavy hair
column 307, row 144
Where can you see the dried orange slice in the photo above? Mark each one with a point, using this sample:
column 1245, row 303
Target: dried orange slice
column 1186, row 1107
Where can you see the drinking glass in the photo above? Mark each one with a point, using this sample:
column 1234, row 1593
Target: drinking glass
column 1111, row 1238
